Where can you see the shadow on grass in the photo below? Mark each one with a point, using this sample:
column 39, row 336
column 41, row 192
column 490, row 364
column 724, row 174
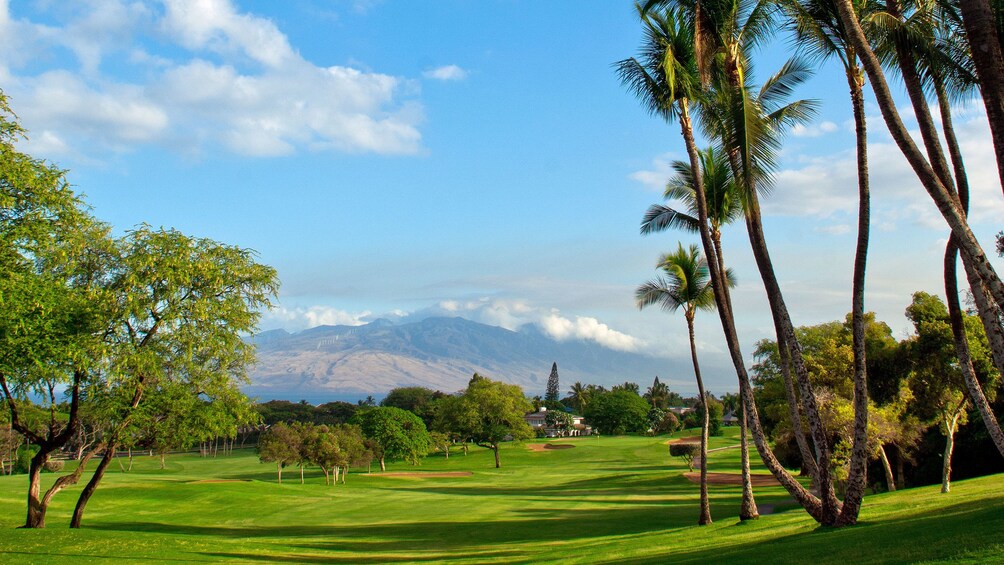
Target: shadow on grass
column 945, row 533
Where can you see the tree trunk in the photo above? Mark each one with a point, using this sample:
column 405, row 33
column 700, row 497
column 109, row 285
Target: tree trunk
column 890, row 482
column 337, row 471
column 163, row 460
column 782, row 320
column 36, row 509
column 383, row 466
column 325, row 469
column 808, row 501
column 278, row 469
column 91, row 486
column 345, row 473
column 705, row 516
column 130, row 459
column 498, row 462
column 301, row 473
column 951, row 424
column 945, row 200
column 795, row 412
column 981, row 30
column 900, row 471
column 857, row 477
column 748, row 509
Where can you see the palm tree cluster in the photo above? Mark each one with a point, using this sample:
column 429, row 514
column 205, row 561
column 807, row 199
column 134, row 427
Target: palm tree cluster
column 695, row 60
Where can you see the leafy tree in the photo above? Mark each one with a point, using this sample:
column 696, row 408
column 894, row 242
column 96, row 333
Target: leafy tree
column 490, row 412
column 400, row 434
column 686, row 451
column 559, row 420
column 415, row 399
column 658, row 394
column 578, row 397
column 439, row 441
column 279, row 444
column 53, row 301
column 184, row 305
column 618, row 412
column 662, row 421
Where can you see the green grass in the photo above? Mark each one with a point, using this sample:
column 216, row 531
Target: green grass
column 608, row 500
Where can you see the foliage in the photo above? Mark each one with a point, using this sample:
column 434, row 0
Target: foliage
column 686, row 451
column 552, row 395
column 418, row 400
column 618, row 412
column 401, row 434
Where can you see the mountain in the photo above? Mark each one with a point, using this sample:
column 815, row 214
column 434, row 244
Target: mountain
column 329, row 362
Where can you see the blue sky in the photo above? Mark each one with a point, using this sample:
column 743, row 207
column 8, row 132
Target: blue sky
column 480, row 159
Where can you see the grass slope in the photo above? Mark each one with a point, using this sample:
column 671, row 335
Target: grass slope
column 608, row 500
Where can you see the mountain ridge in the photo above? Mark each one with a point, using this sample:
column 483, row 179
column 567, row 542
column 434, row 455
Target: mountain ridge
column 439, row 353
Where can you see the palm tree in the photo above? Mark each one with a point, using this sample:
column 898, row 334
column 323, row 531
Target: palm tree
column 945, row 199
column 686, row 285
column 724, row 206
column 907, row 37
column 658, row 394
column 579, row 395
column 821, row 34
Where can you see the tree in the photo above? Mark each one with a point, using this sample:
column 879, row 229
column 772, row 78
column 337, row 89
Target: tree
column 401, row 434
column 552, row 394
column 578, row 396
column 184, row 305
column 490, row 412
column 279, row 444
column 53, row 300
column 687, row 285
column 935, row 377
column 658, row 394
column 618, row 412
column 686, row 451
column 416, row 399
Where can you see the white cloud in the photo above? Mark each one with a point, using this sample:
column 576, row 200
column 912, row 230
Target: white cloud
column 231, row 79
column 814, row 130
column 835, row 229
column 448, row 72
column 588, row 329
column 300, row 318
column 656, row 177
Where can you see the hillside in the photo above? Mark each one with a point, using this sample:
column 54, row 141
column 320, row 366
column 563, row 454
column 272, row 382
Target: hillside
column 439, row 353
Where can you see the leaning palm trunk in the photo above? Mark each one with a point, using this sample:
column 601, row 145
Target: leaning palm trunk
column 748, row 508
column 858, row 475
column 705, row 517
column 945, row 199
column 782, row 321
column 980, row 22
column 805, row 498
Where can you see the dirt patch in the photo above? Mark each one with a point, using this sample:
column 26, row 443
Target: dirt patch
column 691, row 439
column 425, row 475
column 732, row 479
column 205, row 481
column 547, row 446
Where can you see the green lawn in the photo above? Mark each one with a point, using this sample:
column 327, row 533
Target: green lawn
column 608, row 500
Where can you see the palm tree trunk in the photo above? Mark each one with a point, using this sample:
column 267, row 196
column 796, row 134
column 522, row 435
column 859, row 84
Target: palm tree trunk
column 748, row 509
column 980, row 23
column 809, row 466
column 858, row 476
column 806, row 499
column 705, row 517
column 782, row 321
column 988, row 314
column 945, row 200
column 962, row 348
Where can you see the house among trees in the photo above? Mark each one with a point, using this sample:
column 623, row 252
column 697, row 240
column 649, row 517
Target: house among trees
column 730, row 419
column 681, row 410
column 557, row 423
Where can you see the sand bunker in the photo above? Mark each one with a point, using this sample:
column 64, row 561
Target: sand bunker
column 732, row 479
column 425, row 475
column 547, row 446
